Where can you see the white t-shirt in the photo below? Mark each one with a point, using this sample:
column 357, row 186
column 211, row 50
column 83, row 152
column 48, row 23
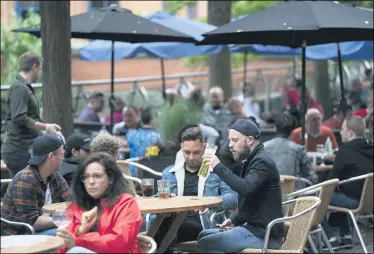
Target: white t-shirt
column 48, row 198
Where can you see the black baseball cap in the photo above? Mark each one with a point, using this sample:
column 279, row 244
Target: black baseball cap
column 247, row 128
column 78, row 140
column 42, row 146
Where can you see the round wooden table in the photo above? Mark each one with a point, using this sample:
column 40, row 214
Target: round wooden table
column 158, row 205
column 31, row 244
column 320, row 168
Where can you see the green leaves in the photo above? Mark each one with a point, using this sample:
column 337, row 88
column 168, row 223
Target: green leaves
column 15, row 44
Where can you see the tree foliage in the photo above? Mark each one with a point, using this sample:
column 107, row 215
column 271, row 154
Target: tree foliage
column 15, row 44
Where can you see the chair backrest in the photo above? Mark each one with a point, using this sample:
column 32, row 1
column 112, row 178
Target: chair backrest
column 287, row 187
column 299, row 227
column 325, row 194
column 146, row 244
column 366, row 201
column 124, row 167
column 287, row 184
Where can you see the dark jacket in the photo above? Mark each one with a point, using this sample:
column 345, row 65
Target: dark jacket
column 68, row 168
column 22, row 113
column 260, row 198
column 354, row 158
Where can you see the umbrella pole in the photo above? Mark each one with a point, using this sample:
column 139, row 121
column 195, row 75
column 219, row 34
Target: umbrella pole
column 163, row 79
column 112, row 100
column 343, row 102
column 303, row 92
column 245, row 65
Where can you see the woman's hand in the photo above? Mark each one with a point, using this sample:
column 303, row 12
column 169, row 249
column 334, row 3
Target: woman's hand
column 67, row 236
column 88, row 220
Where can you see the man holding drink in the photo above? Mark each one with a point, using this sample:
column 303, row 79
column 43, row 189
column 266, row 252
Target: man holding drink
column 185, row 181
column 260, row 199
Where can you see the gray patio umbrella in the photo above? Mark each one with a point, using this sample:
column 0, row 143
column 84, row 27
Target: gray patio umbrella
column 297, row 24
column 116, row 24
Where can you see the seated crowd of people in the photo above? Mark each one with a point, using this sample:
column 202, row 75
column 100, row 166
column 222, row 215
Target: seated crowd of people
column 104, row 214
column 245, row 172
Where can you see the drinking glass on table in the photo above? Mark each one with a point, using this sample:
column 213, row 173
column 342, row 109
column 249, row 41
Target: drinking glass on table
column 163, row 187
column 321, row 150
column 61, row 218
column 147, row 187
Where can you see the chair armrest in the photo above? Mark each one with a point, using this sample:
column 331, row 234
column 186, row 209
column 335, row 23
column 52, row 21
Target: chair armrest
column 132, row 178
column 6, row 180
column 284, row 219
column 352, row 179
column 303, row 180
column 20, row 224
column 213, row 216
column 303, row 192
column 149, row 170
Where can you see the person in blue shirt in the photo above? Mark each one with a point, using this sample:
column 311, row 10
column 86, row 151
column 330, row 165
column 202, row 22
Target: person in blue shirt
column 139, row 140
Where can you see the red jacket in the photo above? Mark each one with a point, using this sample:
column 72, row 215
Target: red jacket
column 117, row 229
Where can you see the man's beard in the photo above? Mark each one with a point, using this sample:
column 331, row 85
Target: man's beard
column 241, row 156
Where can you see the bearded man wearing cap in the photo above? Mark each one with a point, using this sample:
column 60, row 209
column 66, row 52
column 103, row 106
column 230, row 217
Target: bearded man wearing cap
column 76, row 148
column 37, row 185
column 260, row 199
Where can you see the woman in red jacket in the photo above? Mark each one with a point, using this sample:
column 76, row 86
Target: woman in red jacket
column 104, row 214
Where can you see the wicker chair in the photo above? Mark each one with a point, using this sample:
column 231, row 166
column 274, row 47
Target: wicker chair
column 288, row 186
column 325, row 190
column 365, row 205
column 300, row 223
column 146, row 244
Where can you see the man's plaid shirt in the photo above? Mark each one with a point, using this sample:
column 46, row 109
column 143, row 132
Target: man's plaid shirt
column 25, row 197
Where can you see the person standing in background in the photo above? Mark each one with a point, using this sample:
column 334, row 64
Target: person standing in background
column 23, row 122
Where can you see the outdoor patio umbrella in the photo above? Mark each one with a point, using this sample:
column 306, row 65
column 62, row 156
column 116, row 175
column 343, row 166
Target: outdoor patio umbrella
column 298, row 24
column 99, row 50
column 116, row 24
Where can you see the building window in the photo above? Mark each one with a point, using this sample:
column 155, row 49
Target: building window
column 191, row 11
column 23, row 7
column 94, row 4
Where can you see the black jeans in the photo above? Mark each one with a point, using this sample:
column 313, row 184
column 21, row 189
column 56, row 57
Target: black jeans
column 16, row 161
column 188, row 230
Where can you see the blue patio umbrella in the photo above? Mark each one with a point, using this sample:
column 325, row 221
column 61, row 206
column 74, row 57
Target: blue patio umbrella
column 101, row 50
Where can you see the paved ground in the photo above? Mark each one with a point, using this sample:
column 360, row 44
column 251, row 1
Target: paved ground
column 367, row 234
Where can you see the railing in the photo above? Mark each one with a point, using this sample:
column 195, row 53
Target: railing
column 180, row 76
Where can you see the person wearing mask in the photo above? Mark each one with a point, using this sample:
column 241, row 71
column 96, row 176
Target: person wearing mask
column 354, row 158
column 216, row 114
column 290, row 158
column 76, row 148
column 37, row 185
column 105, row 215
column 259, row 195
column 95, row 105
column 315, row 132
column 186, row 182
column 23, row 122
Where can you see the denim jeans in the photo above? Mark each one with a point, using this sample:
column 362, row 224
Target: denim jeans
column 231, row 241
column 79, row 250
column 340, row 200
column 51, row 232
column 17, row 161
